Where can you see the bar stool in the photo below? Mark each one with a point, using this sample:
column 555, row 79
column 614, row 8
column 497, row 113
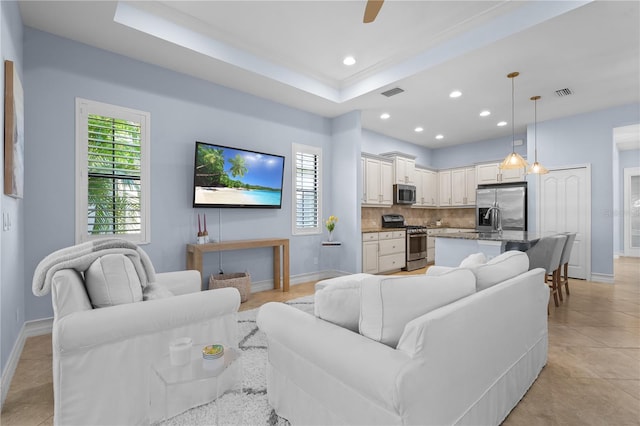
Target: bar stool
column 564, row 263
column 546, row 254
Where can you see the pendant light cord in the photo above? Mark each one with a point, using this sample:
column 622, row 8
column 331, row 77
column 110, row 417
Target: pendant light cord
column 535, row 128
column 513, row 124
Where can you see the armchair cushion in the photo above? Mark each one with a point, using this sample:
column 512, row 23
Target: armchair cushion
column 387, row 304
column 155, row 291
column 69, row 293
column 112, row 280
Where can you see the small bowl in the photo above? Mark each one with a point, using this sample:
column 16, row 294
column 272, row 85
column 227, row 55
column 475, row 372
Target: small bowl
column 212, row 351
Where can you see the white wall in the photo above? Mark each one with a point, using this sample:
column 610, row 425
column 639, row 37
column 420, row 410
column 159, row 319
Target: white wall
column 12, row 278
column 492, row 150
column 376, row 143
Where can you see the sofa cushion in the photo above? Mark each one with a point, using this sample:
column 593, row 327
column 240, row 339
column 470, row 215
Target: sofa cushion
column 388, row 303
column 112, row 280
column 337, row 300
column 500, row 268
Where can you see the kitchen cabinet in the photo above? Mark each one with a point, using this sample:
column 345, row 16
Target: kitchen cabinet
column 463, row 186
column 444, row 188
column 383, row 251
column 431, row 245
column 405, row 170
column 377, row 181
column 370, row 252
column 426, row 188
column 491, row 173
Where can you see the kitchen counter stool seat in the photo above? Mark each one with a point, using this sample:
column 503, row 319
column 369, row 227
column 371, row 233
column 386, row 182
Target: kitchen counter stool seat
column 564, row 263
column 546, row 254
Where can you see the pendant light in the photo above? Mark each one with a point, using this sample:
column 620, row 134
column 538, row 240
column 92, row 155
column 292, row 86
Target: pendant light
column 513, row 160
column 536, row 168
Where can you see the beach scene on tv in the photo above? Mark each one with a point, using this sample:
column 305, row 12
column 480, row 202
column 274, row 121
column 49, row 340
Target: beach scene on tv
column 227, row 176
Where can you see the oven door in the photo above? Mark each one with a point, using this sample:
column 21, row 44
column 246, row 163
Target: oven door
column 416, row 246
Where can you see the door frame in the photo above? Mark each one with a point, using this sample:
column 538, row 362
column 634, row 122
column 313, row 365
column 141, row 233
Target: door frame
column 628, row 173
column 587, row 236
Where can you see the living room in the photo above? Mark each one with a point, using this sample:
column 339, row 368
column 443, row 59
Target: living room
column 55, row 71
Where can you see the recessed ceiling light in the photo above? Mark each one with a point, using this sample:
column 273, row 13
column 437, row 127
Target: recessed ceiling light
column 455, row 94
column 439, row 137
column 384, row 116
column 502, row 123
column 418, row 129
column 349, row 60
column 485, row 113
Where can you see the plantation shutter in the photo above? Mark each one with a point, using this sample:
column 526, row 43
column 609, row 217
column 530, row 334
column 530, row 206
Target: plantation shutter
column 307, row 190
column 114, row 176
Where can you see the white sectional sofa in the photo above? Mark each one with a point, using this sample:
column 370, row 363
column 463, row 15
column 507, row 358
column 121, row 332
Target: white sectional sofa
column 462, row 356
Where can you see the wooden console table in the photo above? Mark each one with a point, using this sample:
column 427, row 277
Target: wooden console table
column 195, row 251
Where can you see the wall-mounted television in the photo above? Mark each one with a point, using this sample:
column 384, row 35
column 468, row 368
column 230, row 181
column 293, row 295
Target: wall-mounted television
column 231, row 177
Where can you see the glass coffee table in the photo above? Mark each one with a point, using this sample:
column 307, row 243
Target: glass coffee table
column 196, row 383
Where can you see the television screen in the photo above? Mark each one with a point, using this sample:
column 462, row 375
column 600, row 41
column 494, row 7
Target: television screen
column 232, row 177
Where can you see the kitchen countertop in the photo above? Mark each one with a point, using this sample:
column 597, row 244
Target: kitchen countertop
column 507, row 236
column 381, row 229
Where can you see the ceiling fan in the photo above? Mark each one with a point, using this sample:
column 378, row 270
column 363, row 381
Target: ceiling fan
column 371, row 10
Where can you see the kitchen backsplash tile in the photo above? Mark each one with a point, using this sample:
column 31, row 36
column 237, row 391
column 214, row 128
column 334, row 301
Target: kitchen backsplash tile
column 371, row 217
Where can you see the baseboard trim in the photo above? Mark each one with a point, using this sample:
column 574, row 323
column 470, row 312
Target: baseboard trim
column 29, row 329
column 602, row 278
column 298, row 279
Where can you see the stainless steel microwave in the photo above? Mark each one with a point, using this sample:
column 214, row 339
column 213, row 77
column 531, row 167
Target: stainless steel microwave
column 404, row 194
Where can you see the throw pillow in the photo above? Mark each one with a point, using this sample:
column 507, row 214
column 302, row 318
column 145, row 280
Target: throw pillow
column 501, row 268
column 112, row 280
column 387, row 304
column 473, row 260
column 155, row 291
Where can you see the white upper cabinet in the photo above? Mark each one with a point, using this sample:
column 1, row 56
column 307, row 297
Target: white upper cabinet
column 491, row 173
column 463, row 186
column 405, row 170
column 426, row 188
column 377, row 181
column 404, row 167
column 444, row 188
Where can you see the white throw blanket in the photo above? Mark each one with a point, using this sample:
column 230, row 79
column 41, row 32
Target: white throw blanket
column 81, row 256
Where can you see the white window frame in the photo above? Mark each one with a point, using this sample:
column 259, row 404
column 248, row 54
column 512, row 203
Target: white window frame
column 84, row 108
column 305, row 149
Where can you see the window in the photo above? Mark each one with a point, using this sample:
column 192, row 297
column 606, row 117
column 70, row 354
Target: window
column 307, row 200
column 112, row 165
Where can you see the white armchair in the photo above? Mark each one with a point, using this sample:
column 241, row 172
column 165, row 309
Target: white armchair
column 102, row 357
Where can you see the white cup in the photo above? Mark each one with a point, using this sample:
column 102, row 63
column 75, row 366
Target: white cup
column 180, row 351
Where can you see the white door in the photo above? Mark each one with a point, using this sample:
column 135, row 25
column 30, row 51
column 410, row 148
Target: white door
column 564, row 205
column 632, row 211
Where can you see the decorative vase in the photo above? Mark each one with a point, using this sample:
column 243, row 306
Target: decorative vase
column 330, row 235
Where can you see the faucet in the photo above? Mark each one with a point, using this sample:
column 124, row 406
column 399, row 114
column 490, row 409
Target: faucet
column 496, row 225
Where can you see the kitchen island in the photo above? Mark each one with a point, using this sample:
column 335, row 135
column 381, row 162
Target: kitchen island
column 452, row 248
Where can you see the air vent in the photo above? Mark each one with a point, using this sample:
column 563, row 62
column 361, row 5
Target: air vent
column 392, row 92
column 564, row 92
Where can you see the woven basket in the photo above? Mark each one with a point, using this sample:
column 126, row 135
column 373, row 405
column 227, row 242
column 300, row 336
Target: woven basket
column 239, row 280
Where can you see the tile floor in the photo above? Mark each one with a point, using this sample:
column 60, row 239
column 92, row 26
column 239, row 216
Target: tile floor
column 592, row 376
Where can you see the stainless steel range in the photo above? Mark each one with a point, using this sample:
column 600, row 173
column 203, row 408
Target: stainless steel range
column 416, row 250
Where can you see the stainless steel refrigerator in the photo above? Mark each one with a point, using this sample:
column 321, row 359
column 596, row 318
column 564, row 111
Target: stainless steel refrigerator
column 504, row 203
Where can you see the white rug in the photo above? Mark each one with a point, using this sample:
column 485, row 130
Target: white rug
column 251, row 406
